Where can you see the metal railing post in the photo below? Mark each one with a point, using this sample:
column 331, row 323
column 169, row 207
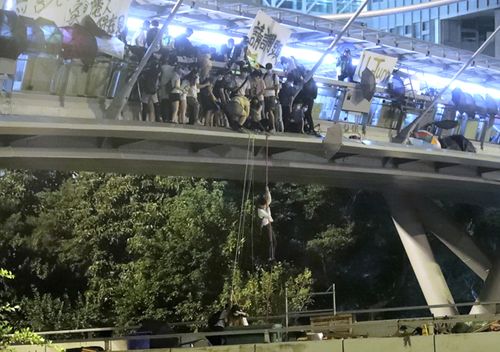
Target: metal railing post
column 286, row 308
column 334, row 298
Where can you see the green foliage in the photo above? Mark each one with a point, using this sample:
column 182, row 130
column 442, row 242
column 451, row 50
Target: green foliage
column 102, row 249
column 46, row 312
column 8, row 334
column 262, row 292
column 331, row 242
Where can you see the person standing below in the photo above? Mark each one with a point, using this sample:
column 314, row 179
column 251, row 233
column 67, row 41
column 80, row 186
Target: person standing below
column 237, row 317
column 346, row 66
column 140, row 39
column 271, row 89
column 264, row 214
column 218, row 322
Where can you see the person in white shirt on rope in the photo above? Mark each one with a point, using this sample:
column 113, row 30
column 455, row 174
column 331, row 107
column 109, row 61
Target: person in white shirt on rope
column 264, row 213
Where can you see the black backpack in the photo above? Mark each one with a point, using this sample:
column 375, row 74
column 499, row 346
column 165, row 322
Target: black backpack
column 214, row 319
column 150, row 79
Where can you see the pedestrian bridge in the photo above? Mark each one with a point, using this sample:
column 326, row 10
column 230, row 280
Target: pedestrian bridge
column 37, row 132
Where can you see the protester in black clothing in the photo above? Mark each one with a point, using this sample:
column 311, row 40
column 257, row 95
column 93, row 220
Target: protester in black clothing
column 183, row 45
column 306, row 97
column 286, row 98
column 152, row 32
column 346, row 66
column 149, row 83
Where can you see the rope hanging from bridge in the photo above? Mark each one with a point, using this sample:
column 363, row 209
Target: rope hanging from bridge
column 267, row 160
column 247, row 185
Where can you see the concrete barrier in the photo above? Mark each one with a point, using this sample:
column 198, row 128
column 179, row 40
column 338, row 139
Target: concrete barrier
column 482, row 342
column 392, row 344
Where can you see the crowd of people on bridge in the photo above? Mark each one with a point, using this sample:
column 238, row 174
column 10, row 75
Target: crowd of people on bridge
column 200, row 85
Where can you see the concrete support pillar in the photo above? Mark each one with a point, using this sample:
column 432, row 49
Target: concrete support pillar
column 427, row 270
column 490, row 292
column 497, row 39
column 456, row 239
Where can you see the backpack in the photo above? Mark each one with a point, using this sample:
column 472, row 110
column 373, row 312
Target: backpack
column 297, row 115
column 150, row 79
column 214, row 318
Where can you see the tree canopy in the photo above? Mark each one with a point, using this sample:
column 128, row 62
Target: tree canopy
column 94, row 249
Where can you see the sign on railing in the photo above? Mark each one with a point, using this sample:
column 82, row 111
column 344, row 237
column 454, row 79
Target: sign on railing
column 267, row 38
column 109, row 15
column 381, row 66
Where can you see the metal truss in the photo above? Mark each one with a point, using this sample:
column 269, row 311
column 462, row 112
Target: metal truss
column 358, row 31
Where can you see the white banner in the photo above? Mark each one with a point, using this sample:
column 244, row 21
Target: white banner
column 381, row 66
column 267, row 38
column 109, row 15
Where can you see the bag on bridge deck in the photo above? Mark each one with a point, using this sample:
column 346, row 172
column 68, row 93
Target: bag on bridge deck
column 457, row 142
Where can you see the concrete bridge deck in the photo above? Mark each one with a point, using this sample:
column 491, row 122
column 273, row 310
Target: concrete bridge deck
column 37, row 142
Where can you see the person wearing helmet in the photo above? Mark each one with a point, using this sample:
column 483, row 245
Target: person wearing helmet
column 346, row 66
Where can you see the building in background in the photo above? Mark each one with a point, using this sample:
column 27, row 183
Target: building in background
column 464, row 24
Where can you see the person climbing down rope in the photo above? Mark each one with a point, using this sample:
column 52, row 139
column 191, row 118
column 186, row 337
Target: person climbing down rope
column 264, row 213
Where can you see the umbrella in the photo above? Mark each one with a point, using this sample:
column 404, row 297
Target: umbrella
column 368, row 84
column 12, row 35
column 457, row 142
column 34, row 35
column 78, row 43
column 52, row 35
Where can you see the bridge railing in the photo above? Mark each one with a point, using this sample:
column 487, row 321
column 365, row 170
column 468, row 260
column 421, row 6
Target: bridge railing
column 271, row 329
column 71, row 78
column 51, row 75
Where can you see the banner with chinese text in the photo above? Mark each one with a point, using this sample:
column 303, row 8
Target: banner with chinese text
column 110, row 15
column 380, row 65
column 267, row 38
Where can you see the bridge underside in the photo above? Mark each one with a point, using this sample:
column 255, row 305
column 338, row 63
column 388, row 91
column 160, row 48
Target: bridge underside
column 150, row 148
